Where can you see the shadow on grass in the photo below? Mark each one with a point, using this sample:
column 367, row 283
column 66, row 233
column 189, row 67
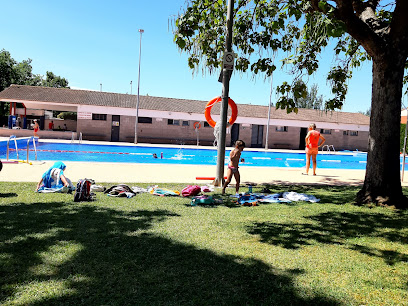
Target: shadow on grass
column 336, row 228
column 219, row 200
column 113, row 259
column 8, row 195
column 338, row 195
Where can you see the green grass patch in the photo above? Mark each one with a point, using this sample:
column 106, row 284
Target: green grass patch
column 151, row 250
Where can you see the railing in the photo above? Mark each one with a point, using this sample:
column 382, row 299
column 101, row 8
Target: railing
column 328, row 148
column 73, row 137
column 28, row 147
column 8, row 145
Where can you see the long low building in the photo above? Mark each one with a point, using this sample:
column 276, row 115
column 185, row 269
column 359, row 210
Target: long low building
column 111, row 117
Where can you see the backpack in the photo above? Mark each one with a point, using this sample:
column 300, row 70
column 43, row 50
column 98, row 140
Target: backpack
column 83, row 191
column 191, row 190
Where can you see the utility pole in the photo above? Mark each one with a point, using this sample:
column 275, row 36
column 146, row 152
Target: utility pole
column 141, row 31
column 269, row 108
column 219, row 179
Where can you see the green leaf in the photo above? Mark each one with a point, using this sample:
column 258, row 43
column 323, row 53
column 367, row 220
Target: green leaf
column 181, row 43
column 322, row 5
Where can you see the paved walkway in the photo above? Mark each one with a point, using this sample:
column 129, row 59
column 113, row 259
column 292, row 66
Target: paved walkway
column 165, row 173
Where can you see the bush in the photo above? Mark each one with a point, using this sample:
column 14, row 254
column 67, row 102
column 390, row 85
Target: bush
column 67, row 116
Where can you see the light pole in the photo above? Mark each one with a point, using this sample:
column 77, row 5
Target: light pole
column 138, row 85
column 270, row 104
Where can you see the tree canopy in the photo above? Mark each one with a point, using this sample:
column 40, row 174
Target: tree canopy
column 301, row 30
column 20, row 73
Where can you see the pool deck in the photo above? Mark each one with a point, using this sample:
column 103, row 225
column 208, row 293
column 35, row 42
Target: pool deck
column 165, row 173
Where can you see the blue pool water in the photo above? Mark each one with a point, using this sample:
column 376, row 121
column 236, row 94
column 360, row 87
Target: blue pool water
column 182, row 155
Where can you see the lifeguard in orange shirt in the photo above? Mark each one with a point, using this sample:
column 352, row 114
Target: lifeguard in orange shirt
column 312, row 146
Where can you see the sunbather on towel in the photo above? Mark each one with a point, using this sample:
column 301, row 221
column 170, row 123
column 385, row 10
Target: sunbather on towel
column 54, row 178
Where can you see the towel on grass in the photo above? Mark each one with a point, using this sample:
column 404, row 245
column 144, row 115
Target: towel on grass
column 155, row 190
column 120, row 190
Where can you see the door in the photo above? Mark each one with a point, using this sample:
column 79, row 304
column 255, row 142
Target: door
column 115, row 128
column 234, row 133
column 302, row 141
column 257, row 136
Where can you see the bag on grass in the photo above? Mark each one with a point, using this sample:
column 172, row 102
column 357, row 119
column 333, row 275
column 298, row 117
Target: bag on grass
column 83, row 191
column 191, row 190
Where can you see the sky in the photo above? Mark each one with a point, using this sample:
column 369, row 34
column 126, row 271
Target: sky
column 92, row 42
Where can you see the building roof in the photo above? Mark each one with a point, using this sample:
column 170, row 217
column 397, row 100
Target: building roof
column 21, row 93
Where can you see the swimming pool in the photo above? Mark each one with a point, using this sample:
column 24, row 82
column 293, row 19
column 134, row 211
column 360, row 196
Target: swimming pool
column 181, row 155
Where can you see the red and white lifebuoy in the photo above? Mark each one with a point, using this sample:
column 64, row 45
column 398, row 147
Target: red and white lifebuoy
column 197, row 125
column 232, row 105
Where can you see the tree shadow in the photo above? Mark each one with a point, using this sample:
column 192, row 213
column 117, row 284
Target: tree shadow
column 114, row 259
column 8, row 195
column 331, row 194
column 336, row 228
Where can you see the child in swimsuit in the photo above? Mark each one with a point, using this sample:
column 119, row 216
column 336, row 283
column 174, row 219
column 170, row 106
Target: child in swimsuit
column 36, row 128
column 233, row 165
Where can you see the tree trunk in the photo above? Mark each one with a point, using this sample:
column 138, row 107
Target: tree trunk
column 382, row 184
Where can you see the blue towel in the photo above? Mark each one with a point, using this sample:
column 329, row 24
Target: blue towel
column 47, row 177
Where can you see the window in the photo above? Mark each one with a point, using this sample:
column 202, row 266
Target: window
column 144, row 120
column 345, row 133
column 206, row 124
column 173, row 122
column 185, row 123
column 281, row 128
column 323, row 131
column 99, row 117
column 353, row 133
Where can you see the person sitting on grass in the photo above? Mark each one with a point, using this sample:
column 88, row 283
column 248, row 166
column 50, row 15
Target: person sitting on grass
column 54, row 178
column 233, row 165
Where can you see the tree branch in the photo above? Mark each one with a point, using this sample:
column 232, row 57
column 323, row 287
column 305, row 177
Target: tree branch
column 399, row 25
column 362, row 27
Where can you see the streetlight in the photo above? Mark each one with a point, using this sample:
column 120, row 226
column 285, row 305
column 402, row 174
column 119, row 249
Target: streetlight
column 270, row 104
column 138, row 85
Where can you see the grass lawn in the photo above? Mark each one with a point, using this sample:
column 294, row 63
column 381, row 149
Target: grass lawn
column 151, row 250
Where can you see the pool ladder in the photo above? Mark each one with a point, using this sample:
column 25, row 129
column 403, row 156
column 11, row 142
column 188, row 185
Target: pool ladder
column 328, row 148
column 28, row 147
column 73, row 137
column 13, row 137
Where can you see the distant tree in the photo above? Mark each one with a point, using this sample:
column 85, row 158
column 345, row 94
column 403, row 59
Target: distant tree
column 6, row 76
column 310, row 98
column 21, row 73
column 53, row 80
column 67, row 115
column 367, row 112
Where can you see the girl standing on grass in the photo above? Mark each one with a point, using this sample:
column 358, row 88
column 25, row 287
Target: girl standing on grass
column 233, row 165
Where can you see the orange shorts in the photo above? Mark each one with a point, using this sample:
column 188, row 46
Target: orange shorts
column 312, row 151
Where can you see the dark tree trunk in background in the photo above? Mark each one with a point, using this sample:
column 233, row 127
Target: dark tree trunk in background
column 382, row 183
